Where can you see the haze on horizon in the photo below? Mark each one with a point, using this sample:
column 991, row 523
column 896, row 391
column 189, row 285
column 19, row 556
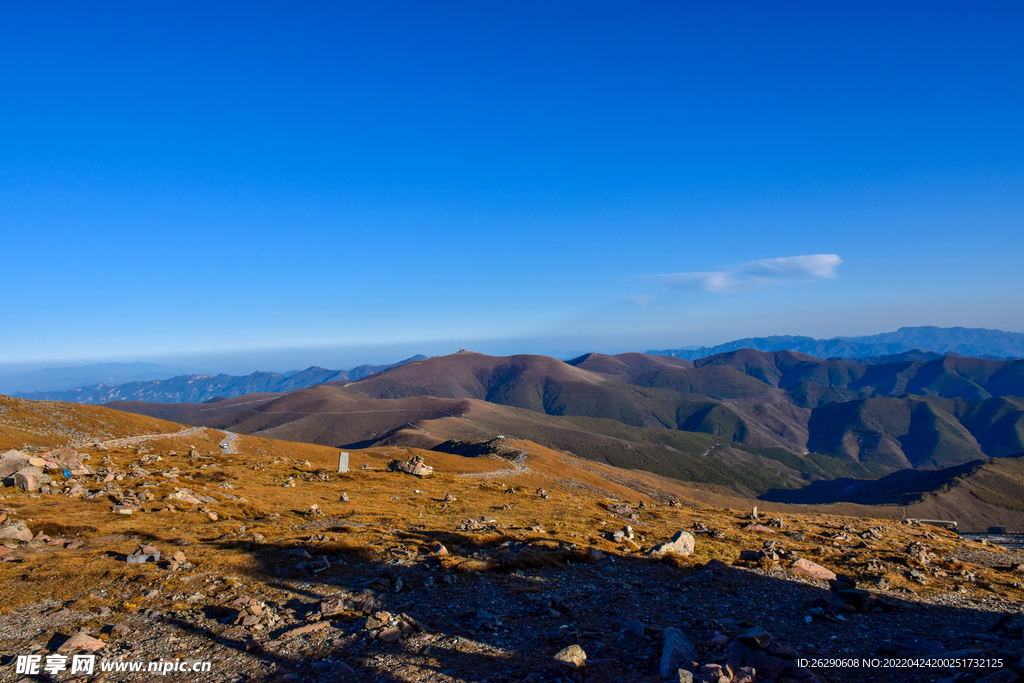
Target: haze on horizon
column 342, row 185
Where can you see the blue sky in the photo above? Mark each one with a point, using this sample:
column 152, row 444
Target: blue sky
column 351, row 182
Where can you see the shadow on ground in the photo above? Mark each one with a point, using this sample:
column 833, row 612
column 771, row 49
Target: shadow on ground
column 499, row 606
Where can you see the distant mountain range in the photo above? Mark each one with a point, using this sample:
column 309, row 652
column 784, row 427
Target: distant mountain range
column 63, row 378
column 201, row 388
column 961, row 341
column 752, row 421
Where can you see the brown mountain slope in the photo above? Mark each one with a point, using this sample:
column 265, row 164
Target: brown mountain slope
column 37, row 423
column 858, row 438
column 626, row 363
column 948, row 376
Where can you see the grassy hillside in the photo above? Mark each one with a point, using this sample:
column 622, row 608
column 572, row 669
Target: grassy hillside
column 1001, row 483
column 897, row 433
column 788, row 418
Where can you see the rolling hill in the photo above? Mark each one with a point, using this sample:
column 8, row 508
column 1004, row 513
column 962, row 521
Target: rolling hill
column 741, row 421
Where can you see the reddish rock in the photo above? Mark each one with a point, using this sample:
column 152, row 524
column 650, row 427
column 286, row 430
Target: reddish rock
column 81, row 641
column 308, row 628
column 815, row 571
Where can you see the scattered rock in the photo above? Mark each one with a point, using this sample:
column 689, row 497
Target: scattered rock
column 755, row 637
column 415, row 466
column 81, row 641
column 390, row 635
column 331, row 606
column 185, row 496
column 677, row 652
column 15, row 530
column 811, row 569
column 144, row 554
column 28, row 479
column 570, row 658
column 681, row 544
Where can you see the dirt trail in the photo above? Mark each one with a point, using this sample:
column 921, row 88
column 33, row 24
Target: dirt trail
column 520, row 468
column 127, row 441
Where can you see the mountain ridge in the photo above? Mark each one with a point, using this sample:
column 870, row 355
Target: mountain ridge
column 748, row 420
column 197, row 388
column 963, row 341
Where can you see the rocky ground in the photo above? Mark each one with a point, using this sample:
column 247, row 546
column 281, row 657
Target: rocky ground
column 270, row 565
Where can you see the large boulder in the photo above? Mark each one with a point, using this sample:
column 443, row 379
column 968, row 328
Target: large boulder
column 28, row 479
column 67, row 458
column 11, row 462
column 681, row 544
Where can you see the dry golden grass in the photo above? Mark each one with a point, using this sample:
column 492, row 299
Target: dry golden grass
column 388, row 512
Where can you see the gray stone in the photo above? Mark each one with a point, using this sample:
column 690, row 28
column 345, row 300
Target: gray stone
column 681, row 544
column 144, row 554
column 676, row 653
column 342, row 462
column 414, row 466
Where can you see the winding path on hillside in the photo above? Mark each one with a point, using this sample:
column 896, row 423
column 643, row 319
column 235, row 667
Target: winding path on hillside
column 518, row 462
column 228, row 444
column 129, row 440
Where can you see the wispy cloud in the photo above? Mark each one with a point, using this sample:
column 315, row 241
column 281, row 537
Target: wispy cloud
column 637, row 299
column 753, row 275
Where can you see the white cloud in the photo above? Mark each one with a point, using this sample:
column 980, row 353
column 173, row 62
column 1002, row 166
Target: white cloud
column 754, row 274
